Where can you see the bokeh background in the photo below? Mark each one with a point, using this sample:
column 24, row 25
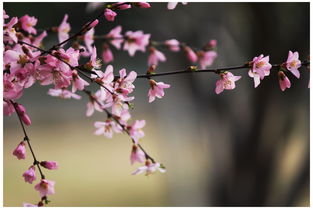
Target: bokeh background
column 245, row 147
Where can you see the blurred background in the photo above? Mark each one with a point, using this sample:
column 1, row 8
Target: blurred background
column 244, row 147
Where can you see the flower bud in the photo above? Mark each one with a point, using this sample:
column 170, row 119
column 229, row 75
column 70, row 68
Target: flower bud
column 51, row 165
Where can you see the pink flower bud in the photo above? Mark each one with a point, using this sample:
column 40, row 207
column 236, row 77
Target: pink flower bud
column 22, row 113
column 121, row 6
column 107, row 55
column 26, row 119
column 213, row 43
column 51, row 165
column 137, row 155
column 30, row 175
column 142, row 5
column 284, row 82
column 109, row 14
column 94, row 23
column 191, row 55
column 20, row 151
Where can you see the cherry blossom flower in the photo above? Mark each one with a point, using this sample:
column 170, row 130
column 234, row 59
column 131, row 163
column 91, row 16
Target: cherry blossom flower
column 172, row 45
column 149, row 168
column 135, row 130
column 94, row 62
column 8, row 108
column 115, row 37
column 156, row 90
column 20, row 151
column 109, row 14
column 11, row 89
column 89, row 39
column 155, row 56
column 96, row 102
column 27, row 24
column 284, row 82
column 30, row 175
column 142, row 5
column 107, row 55
column 78, row 82
column 51, row 165
column 64, row 29
column 191, row 55
column 293, row 63
column 227, row 82
column 63, row 93
column 260, row 67
column 9, row 33
column 124, row 85
column 136, row 41
column 107, row 128
column 37, row 41
column 121, row 6
column 206, row 58
column 104, row 78
column 45, row 187
column 22, row 112
column 137, row 155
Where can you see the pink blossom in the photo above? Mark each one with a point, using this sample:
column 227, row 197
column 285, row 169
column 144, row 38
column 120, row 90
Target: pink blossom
column 207, row 58
column 45, row 187
column 27, row 24
column 30, row 175
column 121, row 6
column 149, row 168
column 37, row 41
column 105, row 78
column 8, row 108
column 89, row 39
column 96, row 102
column 172, row 5
column 260, row 67
column 78, row 82
column 142, row 5
column 64, row 29
column 124, row 85
column 11, row 88
column 94, row 62
column 51, row 165
column 137, row 155
column 109, row 14
column 155, row 56
column 9, row 33
column 284, row 82
column 5, row 16
column 293, row 63
column 136, row 41
column 212, row 43
column 94, row 24
column 63, row 93
column 173, row 45
column 71, row 56
column 227, row 82
column 156, row 90
column 20, row 151
column 115, row 37
column 22, row 112
column 107, row 55
column 107, row 128
column 191, row 55
column 135, row 130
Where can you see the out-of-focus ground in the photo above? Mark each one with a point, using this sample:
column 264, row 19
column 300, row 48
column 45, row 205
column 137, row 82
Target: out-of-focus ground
column 245, row 147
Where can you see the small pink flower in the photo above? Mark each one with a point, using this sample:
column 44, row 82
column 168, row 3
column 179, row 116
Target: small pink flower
column 27, row 23
column 45, row 187
column 293, row 63
column 89, row 39
column 173, row 45
column 191, row 55
column 94, row 24
column 260, row 67
column 212, row 43
column 107, row 55
column 30, row 175
column 284, row 82
column 142, row 5
column 121, row 6
column 96, row 102
column 20, row 151
column 155, row 57
column 63, row 93
column 22, row 112
column 109, row 14
column 137, row 155
column 136, row 41
column 64, row 29
column 135, row 130
column 9, row 33
column 227, row 82
column 207, row 58
column 104, row 78
column 51, row 165
column 149, row 168
column 115, row 37
column 8, row 108
column 78, row 82
column 107, row 128
column 94, row 62
column 37, row 41
column 156, row 89
column 5, row 16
